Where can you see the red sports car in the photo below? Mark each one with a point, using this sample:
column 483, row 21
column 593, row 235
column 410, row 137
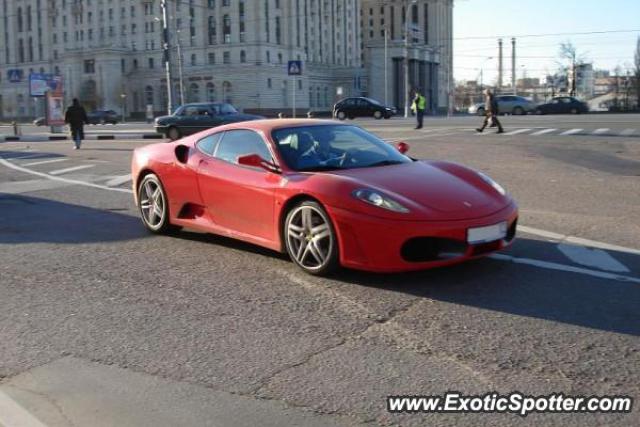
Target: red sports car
column 329, row 194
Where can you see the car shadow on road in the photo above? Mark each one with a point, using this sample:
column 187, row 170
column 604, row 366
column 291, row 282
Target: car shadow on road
column 27, row 219
column 524, row 290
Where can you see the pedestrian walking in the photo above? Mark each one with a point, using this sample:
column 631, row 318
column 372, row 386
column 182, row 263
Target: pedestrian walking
column 76, row 118
column 490, row 112
column 418, row 106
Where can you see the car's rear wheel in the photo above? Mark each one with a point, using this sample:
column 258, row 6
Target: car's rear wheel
column 480, row 111
column 173, row 133
column 377, row 115
column 310, row 239
column 341, row 115
column 518, row 111
column 154, row 205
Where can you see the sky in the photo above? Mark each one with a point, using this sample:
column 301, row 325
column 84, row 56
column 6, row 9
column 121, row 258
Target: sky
column 538, row 56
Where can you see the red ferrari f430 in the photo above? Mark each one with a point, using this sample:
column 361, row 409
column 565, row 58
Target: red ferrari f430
column 327, row 193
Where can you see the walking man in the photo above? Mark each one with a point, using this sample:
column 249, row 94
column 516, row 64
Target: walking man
column 490, row 112
column 76, row 117
column 419, row 104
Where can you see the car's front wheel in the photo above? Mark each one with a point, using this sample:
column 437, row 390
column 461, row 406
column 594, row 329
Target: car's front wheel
column 341, row 115
column 518, row 111
column 310, row 239
column 154, row 205
column 377, row 115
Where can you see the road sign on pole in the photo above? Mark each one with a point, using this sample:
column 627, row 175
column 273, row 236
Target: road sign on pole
column 294, row 68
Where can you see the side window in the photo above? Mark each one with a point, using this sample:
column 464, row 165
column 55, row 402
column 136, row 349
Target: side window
column 208, row 144
column 237, row 143
column 203, row 111
column 191, row 111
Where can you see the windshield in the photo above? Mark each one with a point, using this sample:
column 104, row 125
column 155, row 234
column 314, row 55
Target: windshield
column 331, row 147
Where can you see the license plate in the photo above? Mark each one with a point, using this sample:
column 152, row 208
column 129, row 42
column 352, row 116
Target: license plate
column 489, row 233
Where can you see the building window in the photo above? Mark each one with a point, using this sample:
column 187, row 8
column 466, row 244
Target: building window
column 279, row 58
column 268, row 57
column 212, row 58
column 194, row 59
column 19, row 18
column 194, row 92
column 148, row 95
column 241, row 20
column 243, row 56
column 269, row 83
column 278, row 31
column 226, row 92
column 211, row 92
column 226, row 57
column 211, row 4
column 212, row 30
column 135, row 64
column 151, row 64
column 226, row 28
column 89, row 66
column 123, row 66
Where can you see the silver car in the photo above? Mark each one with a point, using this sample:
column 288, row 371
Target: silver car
column 507, row 104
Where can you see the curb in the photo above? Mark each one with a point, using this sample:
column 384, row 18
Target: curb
column 99, row 137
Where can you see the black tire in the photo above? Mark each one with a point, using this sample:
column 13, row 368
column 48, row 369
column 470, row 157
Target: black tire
column 575, row 111
column 328, row 250
column 341, row 115
column 377, row 115
column 162, row 226
column 173, row 133
column 518, row 111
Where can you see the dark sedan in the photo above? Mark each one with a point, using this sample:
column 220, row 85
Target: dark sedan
column 361, row 107
column 193, row 118
column 102, row 117
column 563, row 105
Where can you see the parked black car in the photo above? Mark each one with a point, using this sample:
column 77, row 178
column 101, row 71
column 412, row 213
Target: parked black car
column 361, row 107
column 102, row 117
column 193, row 118
column 563, row 105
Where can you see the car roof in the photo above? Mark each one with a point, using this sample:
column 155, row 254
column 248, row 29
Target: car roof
column 268, row 125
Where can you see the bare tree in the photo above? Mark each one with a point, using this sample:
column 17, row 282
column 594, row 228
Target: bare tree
column 636, row 70
column 570, row 59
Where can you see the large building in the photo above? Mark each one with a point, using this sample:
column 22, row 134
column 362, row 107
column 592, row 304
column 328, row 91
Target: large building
column 109, row 53
column 429, row 24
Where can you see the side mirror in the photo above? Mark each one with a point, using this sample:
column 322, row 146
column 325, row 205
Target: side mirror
column 255, row 161
column 402, row 147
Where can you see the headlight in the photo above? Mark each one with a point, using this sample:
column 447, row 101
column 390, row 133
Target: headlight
column 492, row 183
column 380, row 200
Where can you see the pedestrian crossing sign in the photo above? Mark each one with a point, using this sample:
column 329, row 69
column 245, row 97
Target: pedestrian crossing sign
column 14, row 75
column 295, row 68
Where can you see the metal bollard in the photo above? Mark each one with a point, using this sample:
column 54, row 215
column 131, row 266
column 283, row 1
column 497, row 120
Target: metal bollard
column 16, row 129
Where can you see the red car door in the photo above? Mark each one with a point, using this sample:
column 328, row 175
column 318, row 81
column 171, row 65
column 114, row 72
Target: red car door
column 239, row 198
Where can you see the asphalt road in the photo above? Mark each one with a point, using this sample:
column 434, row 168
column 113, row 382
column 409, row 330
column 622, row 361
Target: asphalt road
column 81, row 280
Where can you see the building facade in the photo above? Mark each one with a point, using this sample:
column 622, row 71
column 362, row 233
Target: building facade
column 429, row 24
column 109, row 53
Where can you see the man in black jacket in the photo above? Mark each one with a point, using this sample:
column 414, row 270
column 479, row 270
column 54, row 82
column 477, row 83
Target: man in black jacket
column 490, row 112
column 76, row 117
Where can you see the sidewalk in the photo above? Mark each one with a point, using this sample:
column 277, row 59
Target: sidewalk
column 74, row 392
column 88, row 136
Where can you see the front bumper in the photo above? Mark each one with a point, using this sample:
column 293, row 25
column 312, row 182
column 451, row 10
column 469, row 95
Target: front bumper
column 381, row 245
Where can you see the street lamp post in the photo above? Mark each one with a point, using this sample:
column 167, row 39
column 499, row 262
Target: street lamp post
column 167, row 54
column 386, row 66
column 406, row 57
column 123, row 97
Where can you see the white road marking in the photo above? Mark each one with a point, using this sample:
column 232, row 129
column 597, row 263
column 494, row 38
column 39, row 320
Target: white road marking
column 567, row 268
column 14, row 415
column 118, row 180
column 71, row 169
column 58, row 178
column 516, row 132
column 543, row 131
column 589, row 257
column 600, row 131
column 577, row 240
column 44, row 162
column 627, row 132
column 571, row 131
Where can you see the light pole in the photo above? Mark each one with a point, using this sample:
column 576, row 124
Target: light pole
column 123, row 97
column 180, row 71
column 386, row 65
column 482, row 73
column 406, row 56
column 167, row 54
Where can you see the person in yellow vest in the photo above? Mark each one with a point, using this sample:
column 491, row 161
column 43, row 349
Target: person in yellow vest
column 418, row 106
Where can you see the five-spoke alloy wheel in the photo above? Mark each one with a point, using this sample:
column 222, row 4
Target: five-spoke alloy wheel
column 153, row 204
column 310, row 238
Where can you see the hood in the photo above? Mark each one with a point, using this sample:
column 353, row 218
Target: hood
column 431, row 190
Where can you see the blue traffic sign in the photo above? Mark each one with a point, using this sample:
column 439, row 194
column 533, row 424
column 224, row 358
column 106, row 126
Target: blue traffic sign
column 294, row 68
column 14, row 75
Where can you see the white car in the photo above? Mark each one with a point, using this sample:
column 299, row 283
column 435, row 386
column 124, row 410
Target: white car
column 507, row 104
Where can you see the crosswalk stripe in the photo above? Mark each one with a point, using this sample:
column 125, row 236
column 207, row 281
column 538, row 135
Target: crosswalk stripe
column 627, row 132
column 571, row 131
column 118, row 180
column 44, row 162
column 543, row 131
column 72, row 169
column 515, row 132
column 601, row 130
